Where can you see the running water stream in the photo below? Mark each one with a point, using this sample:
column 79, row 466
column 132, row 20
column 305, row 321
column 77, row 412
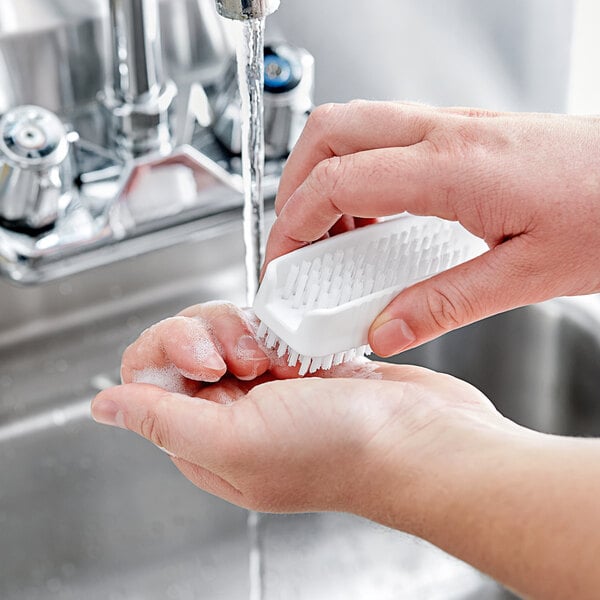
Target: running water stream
column 250, row 60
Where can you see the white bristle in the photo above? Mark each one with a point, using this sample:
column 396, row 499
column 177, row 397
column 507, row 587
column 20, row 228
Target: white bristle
column 283, row 348
column 261, row 331
column 327, row 362
column 292, row 359
column 313, row 293
column 315, row 365
column 362, row 351
column 338, row 359
column 301, row 285
column 304, row 365
column 291, row 280
column 271, row 339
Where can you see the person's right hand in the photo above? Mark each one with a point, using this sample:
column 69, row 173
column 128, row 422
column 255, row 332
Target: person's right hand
column 528, row 184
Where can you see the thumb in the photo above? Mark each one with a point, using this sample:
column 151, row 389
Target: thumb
column 498, row 280
column 189, row 428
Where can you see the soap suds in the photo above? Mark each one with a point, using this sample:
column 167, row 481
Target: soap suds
column 220, row 396
column 250, row 318
column 167, row 378
column 203, row 348
column 359, row 368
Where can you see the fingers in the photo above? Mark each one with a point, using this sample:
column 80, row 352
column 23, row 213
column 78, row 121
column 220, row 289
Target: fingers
column 234, row 333
column 342, row 129
column 193, row 429
column 199, row 345
column 171, row 353
column 498, row 280
column 367, row 184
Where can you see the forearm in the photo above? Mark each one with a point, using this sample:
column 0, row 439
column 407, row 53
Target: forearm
column 520, row 506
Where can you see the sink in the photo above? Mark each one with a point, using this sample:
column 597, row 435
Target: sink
column 91, row 512
column 540, row 365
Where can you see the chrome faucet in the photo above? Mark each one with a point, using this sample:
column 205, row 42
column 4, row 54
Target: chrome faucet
column 138, row 96
column 123, row 137
column 241, row 10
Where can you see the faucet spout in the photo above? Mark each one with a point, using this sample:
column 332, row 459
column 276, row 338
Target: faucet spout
column 242, row 10
column 137, row 60
column 138, row 95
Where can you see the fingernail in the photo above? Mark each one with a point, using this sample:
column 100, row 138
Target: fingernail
column 214, row 361
column 107, row 412
column 392, row 337
column 248, row 349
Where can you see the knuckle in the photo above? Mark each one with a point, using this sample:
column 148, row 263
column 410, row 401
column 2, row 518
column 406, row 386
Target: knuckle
column 360, row 104
column 449, row 307
column 457, row 141
column 327, row 176
column 152, row 429
column 322, row 117
column 478, row 113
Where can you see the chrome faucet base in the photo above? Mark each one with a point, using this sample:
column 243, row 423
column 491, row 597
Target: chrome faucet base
column 193, row 196
column 136, row 165
column 144, row 127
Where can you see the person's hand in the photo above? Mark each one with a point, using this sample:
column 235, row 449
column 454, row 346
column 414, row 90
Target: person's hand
column 528, row 184
column 409, row 448
column 239, row 429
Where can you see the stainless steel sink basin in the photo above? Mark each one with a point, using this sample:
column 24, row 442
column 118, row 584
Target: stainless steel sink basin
column 91, row 512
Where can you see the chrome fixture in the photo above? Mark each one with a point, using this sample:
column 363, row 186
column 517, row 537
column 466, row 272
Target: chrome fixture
column 119, row 127
column 139, row 96
column 241, row 10
column 33, row 170
column 289, row 78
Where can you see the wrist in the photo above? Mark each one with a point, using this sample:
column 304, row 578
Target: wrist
column 416, row 483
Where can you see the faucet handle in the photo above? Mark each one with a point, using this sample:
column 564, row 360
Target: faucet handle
column 34, row 147
column 289, row 92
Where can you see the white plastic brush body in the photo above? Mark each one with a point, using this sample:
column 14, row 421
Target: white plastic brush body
column 318, row 303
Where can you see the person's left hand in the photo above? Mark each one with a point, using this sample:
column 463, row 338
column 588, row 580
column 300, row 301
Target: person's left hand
column 239, row 424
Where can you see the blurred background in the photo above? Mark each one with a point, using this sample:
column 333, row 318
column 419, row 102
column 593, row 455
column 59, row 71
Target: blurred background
column 508, row 55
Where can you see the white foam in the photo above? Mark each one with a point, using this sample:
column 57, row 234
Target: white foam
column 359, row 368
column 167, row 378
column 203, row 348
column 220, row 396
